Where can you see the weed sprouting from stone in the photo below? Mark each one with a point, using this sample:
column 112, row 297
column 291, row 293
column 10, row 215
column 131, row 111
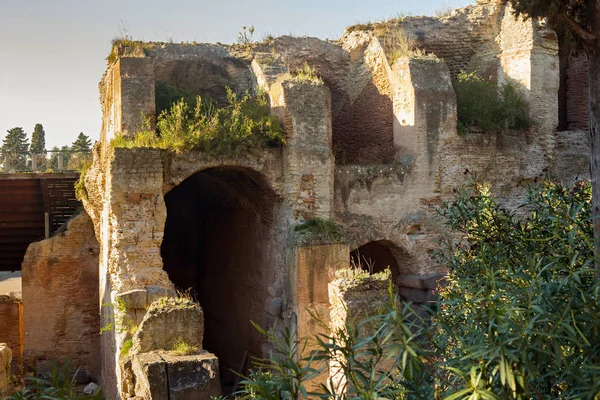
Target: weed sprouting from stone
column 181, row 348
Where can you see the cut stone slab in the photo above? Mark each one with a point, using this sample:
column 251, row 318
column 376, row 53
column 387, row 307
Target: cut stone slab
column 193, row 377
column 150, row 376
column 169, row 320
column 160, row 375
column 5, row 359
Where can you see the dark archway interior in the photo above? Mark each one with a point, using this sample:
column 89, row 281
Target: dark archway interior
column 216, row 242
column 376, row 257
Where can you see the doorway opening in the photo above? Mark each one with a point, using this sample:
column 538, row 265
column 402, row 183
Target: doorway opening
column 217, row 245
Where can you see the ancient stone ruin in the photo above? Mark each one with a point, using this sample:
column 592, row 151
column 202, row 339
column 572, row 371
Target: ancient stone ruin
column 372, row 144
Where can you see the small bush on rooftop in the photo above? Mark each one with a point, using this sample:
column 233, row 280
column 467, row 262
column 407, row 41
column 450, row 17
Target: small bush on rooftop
column 126, row 46
column 306, row 73
column 167, row 95
column 243, row 124
column 319, row 230
column 480, row 106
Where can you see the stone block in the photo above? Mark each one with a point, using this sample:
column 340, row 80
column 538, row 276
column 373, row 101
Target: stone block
column 193, row 377
column 164, row 376
column 168, row 321
column 413, row 295
column 411, row 281
column 5, row 359
column 150, row 376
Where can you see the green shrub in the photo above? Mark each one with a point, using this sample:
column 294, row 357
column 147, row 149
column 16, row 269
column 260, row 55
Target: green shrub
column 80, row 190
column 393, row 335
column 126, row 46
column 59, row 384
column 319, row 230
column 168, row 95
column 243, row 124
column 481, row 107
column 519, row 317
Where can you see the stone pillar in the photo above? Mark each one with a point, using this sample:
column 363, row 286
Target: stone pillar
column 125, row 200
column 127, row 93
column 305, row 108
column 310, row 271
column 352, row 301
column 425, row 116
column 529, row 58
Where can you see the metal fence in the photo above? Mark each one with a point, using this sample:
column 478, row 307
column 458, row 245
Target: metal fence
column 48, row 161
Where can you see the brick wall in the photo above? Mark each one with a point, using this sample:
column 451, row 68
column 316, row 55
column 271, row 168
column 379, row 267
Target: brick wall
column 60, row 293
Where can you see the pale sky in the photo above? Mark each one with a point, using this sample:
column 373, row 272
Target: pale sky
column 52, row 52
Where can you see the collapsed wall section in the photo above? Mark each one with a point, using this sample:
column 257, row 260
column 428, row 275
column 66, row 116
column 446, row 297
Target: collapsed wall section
column 60, row 293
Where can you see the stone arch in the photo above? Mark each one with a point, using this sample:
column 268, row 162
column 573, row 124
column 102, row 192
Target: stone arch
column 377, row 255
column 218, row 243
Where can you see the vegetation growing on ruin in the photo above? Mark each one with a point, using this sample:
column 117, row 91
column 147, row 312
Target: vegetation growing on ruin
column 399, row 45
column 319, row 230
column 517, row 320
column 182, row 301
column 181, row 348
column 126, row 348
column 361, row 275
column 239, row 127
column 482, row 107
column 306, row 74
column 126, row 46
column 59, row 384
column 80, row 190
column 167, row 95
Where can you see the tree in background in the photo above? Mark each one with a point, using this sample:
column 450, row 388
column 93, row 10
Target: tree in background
column 38, row 146
column 582, row 18
column 82, row 143
column 16, row 145
column 79, row 152
column 38, row 139
column 53, row 163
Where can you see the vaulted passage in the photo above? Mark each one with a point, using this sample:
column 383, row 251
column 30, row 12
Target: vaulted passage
column 376, row 257
column 217, row 242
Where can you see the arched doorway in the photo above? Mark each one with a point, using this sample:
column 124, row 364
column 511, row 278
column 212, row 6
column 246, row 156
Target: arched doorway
column 217, row 242
column 376, row 256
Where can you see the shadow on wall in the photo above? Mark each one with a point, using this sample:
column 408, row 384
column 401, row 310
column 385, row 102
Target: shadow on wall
column 216, row 242
column 363, row 130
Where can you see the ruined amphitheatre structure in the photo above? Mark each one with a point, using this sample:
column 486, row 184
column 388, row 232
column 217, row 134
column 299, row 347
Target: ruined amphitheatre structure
column 373, row 146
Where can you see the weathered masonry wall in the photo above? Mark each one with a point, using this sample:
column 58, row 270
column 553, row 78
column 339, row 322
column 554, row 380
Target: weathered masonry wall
column 371, row 142
column 60, row 293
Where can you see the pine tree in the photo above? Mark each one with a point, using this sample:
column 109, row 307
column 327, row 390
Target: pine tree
column 15, row 145
column 38, row 147
column 38, row 139
column 83, row 143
